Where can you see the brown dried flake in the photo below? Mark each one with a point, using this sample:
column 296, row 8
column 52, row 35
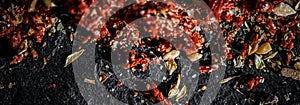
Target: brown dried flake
column 45, row 61
column 289, row 72
column 90, row 81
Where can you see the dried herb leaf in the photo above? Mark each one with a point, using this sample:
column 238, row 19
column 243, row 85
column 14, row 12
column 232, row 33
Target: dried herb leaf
column 73, row 57
column 164, row 13
column 182, row 93
column 283, row 9
column 253, row 48
column 171, row 66
column 297, row 6
column 270, row 56
column 227, row 79
column 60, row 27
column 173, row 92
column 239, row 62
column 23, row 47
column 259, row 63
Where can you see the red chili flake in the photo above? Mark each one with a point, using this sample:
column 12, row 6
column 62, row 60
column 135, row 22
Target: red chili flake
column 86, row 39
column 253, row 82
column 291, row 46
column 103, row 32
column 207, row 69
column 53, row 85
column 294, row 22
column 34, row 54
column 288, row 58
column 18, row 58
column 156, row 95
column 119, row 83
column 245, row 50
column 15, row 40
column 229, row 56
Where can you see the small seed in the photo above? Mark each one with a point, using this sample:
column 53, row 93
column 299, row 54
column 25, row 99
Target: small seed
column 45, row 61
column 297, row 65
column 194, row 57
column 135, row 94
column 264, row 48
column 102, row 78
column 171, row 55
column 203, row 88
column 11, row 84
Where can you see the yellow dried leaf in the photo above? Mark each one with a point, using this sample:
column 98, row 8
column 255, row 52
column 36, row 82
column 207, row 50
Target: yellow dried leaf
column 259, row 63
column 71, row 58
column 264, row 48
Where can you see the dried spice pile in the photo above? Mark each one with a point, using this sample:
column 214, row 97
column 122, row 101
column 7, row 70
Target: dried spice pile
column 262, row 41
